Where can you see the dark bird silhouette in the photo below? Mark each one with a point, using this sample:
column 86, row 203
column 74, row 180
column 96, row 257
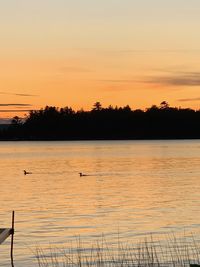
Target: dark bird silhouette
column 25, row 172
column 81, row 174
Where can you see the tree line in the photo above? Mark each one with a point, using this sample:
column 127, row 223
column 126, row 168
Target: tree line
column 156, row 122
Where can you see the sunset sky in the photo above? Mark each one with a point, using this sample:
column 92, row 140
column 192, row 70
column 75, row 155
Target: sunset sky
column 119, row 52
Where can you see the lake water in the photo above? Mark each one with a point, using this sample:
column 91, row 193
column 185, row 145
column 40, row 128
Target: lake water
column 134, row 188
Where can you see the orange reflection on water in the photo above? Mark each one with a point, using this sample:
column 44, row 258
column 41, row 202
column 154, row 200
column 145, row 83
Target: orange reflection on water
column 133, row 189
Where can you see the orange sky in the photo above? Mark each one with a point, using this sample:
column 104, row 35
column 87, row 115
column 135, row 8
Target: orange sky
column 66, row 53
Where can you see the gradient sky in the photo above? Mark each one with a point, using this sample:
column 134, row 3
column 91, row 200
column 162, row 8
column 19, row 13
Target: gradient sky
column 119, row 52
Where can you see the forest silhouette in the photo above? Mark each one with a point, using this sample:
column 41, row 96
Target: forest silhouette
column 112, row 123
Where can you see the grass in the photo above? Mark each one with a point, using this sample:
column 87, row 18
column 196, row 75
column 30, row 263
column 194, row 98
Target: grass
column 175, row 252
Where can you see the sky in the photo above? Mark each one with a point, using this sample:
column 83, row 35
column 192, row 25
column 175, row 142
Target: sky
column 76, row 52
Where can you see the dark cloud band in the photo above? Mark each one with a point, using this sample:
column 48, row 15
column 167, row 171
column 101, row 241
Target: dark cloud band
column 177, row 79
column 14, row 110
column 17, row 94
column 189, row 99
column 15, row 105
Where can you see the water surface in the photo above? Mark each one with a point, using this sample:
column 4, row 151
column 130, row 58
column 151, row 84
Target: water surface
column 134, row 188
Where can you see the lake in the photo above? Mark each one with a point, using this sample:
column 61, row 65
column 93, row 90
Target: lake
column 133, row 189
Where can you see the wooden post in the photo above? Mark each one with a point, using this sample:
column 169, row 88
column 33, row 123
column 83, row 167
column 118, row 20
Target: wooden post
column 12, row 238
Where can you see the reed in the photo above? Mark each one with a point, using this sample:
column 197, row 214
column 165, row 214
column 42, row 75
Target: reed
column 175, row 252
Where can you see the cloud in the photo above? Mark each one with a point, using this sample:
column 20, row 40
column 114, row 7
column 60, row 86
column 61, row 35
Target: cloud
column 176, row 79
column 15, row 105
column 17, row 94
column 25, row 95
column 169, row 78
column 14, row 110
column 189, row 99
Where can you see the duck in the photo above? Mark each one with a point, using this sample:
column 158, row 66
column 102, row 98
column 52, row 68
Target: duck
column 25, row 172
column 81, row 174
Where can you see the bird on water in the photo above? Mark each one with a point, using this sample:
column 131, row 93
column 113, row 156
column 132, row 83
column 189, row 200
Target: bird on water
column 25, row 172
column 81, row 174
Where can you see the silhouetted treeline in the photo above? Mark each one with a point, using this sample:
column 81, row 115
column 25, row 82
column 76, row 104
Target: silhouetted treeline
column 156, row 122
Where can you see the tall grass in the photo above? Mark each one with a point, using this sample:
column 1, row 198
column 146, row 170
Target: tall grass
column 149, row 253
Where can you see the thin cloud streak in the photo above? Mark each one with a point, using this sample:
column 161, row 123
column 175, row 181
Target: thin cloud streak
column 17, row 94
column 15, row 110
column 178, row 79
column 26, row 95
column 15, row 105
column 189, row 99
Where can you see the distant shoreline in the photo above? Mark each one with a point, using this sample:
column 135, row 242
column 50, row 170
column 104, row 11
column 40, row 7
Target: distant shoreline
column 119, row 123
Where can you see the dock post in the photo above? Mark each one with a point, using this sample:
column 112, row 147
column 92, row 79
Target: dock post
column 12, row 238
